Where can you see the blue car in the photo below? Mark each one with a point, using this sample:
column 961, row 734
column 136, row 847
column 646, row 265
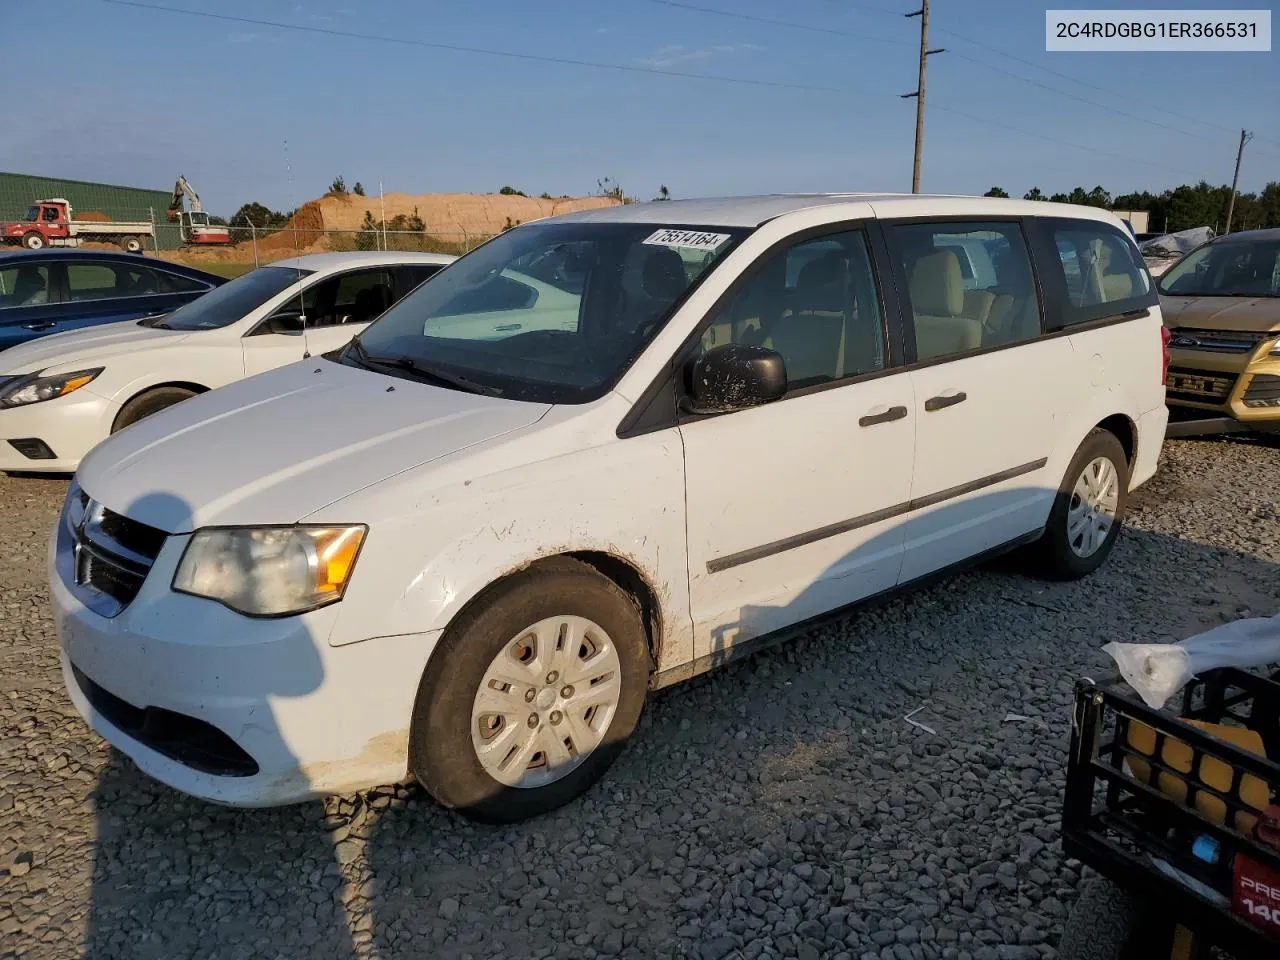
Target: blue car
column 52, row 291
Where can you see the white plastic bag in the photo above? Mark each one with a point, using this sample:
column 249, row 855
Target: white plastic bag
column 1157, row 671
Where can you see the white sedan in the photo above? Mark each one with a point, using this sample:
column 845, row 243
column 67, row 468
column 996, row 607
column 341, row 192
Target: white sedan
column 62, row 395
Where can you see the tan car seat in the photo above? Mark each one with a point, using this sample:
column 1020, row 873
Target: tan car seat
column 811, row 337
column 937, row 300
column 1115, row 286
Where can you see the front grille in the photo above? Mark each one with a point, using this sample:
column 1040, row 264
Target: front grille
column 108, row 555
column 1215, row 341
column 1263, row 391
column 1205, row 386
column 191, row 742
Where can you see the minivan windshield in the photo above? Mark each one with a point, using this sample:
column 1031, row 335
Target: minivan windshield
column 1226, row 268
column 549, row 312
column 228, row 303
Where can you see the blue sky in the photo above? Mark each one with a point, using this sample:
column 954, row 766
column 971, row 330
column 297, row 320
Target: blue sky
column 149, row 94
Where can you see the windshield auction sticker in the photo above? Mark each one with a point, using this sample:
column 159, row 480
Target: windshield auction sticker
column 1178, row 31
column 695, row 239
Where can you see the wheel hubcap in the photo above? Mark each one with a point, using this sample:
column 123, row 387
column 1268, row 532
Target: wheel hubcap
column 546, row 701
column 1094, row 501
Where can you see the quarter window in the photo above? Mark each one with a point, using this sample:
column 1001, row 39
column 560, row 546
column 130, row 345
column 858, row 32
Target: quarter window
column 176, row 283
column 970, row 286
column 816, row 304
column 1100, row 266
column 25, row 285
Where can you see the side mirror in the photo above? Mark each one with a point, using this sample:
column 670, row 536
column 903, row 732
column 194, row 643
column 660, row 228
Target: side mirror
column 734, row 375
column 286, row 323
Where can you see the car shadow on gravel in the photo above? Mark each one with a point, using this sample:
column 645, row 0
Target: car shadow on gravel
column 174, row 876
column 891, row 777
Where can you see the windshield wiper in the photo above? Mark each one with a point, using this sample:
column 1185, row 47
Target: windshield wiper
column 422, row 371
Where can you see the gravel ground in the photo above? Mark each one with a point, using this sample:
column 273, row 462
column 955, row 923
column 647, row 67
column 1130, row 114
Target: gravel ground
column 782, row 807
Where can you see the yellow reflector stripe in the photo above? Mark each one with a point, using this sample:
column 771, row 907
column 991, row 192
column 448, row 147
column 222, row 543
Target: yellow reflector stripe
column 73, row 384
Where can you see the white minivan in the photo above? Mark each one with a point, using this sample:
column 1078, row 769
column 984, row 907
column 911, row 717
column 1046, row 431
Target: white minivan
column 598, row 455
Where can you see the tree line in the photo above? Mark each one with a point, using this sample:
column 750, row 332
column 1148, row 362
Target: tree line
column 1184, row 207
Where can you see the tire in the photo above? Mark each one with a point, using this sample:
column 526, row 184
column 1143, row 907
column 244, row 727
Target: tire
column 33, row 241
column 496, row 633
column 1108, row 924
column 145, row 404
column 1061, row 554
column 131, row 245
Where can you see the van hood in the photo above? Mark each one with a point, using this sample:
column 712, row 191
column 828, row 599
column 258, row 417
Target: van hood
column 274, row 448
column 79, row 348
column 1242, row 314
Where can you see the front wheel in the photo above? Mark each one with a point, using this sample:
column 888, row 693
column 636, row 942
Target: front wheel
column 531, row 694
column 33, row 241
column 144, row 405
column 1088, row 510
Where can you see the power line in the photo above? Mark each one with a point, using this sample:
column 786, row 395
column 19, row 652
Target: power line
column 1080, row 99
column 539, row 58
column 964, row 38
column 1058, row 140
column 789, row 24
column 481, row 51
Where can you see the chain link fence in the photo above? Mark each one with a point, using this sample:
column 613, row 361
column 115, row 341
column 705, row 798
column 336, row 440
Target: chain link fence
column 258, row 244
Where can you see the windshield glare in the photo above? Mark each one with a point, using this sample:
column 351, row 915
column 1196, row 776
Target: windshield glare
column 1230, row 269
column 228, row 303
column 553, row 312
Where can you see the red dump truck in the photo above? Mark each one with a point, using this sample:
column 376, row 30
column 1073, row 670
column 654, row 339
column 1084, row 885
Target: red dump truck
column 50, row 223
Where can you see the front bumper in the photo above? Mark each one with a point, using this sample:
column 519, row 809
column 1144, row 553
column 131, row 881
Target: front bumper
column 180, row 684
column 69, row 426
column 1245, row 388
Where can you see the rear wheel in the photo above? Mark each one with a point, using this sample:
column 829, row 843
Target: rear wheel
column 33, row 241
column 1108, row 924
column 1088, row 510
column 531, row 694
column 144, row 405
column 131, row 245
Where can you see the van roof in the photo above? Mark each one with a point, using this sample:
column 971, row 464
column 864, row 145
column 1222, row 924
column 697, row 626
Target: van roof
column 753, row 211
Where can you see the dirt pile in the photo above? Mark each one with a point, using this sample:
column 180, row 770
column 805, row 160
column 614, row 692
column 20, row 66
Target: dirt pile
column 452, row 214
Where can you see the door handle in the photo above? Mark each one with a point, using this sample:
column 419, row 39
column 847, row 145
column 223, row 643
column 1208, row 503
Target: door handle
column 40, row 325
column 508, row 326
column 945, row 400
column 885, row 416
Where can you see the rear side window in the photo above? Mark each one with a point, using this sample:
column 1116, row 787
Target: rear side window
column 90, row 281
column 1103, row 274
column 100, row 281
column 411, row 276
column 970, row 286
column 25, row 285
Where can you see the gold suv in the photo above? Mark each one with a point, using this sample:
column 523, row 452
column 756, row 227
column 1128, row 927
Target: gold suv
column 1221, row 303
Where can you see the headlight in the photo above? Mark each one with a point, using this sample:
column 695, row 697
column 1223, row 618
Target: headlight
column 1275, row 349
column 272, row 571
column 35, row 388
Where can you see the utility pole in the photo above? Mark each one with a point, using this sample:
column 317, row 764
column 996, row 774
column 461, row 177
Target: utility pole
column 923, row 14
column 1245, row 137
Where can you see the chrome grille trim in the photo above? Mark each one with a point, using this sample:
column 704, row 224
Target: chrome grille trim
column 1215, row 341
column 103, row 573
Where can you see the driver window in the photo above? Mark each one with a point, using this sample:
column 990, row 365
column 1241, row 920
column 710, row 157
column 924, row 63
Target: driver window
column 816, row 304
